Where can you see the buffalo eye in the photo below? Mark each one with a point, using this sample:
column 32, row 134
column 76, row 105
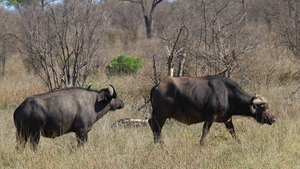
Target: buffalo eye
column 107, row 97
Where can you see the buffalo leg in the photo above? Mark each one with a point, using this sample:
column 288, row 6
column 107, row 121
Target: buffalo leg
column 82, row 137
column 230, row 128
column 22, row 139
column 156, row 126
column 205, row 131
column 34, row 139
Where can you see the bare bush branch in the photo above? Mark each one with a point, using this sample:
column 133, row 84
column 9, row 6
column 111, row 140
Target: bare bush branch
column 62, row 40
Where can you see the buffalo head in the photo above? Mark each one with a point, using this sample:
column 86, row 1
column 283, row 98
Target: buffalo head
column 260, row 110
column 110, row 96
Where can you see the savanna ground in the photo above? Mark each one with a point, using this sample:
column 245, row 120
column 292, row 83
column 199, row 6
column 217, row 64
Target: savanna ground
column 262, row 146
column 263, row 65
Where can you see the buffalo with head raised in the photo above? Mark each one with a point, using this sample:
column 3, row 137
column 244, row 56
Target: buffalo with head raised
column 208, row 99
column 56, row 113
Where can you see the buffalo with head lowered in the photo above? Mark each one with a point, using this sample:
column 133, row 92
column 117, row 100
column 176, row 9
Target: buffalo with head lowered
column 56, row 113
column 207, row 99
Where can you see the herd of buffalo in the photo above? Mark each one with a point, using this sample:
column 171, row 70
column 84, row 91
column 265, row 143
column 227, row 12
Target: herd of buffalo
column 189, row 100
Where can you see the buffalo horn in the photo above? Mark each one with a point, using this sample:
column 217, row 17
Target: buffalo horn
column 112, row 91
column 259, row 100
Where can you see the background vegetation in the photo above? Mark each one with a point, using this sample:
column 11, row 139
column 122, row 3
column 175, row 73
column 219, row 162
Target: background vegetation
column 46, row 45
column 124, row 65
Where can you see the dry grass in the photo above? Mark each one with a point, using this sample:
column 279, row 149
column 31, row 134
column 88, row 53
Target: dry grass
column 262, row 146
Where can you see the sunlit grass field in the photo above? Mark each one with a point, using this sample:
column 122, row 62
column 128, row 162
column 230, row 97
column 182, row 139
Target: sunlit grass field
column 262, row 146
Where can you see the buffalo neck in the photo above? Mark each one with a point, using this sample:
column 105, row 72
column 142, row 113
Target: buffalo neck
column 101, row 107
column 242, row 105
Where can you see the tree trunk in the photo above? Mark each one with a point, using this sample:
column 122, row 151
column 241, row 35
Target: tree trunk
column 148, row 24
column 170, row 65
column 180, row 69
column 147, row 17
column 156, row 79
column 3, row 58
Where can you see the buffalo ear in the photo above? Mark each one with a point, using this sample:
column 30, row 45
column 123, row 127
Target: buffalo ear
column 253, row 108
column 107, row 94
column 112, row 91
column 103, row 95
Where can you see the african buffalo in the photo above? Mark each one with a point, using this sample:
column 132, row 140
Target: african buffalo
column 210, row 99
column 56, row 113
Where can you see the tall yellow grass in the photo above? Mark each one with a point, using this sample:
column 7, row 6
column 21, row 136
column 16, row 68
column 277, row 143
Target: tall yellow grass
column 262, row 146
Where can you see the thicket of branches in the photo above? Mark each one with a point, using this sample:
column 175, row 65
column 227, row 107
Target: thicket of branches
column 64, row 41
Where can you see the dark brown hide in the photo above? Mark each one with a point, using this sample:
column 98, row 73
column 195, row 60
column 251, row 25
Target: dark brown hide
column 208, row 99
column 56, row 113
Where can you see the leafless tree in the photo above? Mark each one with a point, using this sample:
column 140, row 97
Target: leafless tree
column 174, row 51
column 6, row 44
column 63, row 41
column 127, row 22
column 147, row 13
column 285, row 18
column 223, row 23
column 218, row 36
column 3, row 52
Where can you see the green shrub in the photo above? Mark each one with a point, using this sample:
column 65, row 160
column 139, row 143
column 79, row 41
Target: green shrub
column 125, row 65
